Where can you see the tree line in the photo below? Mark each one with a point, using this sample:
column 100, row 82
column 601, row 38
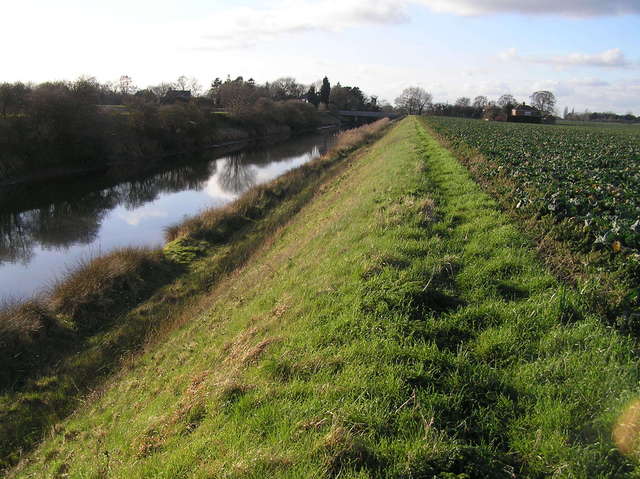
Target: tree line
column 417, row 101
column 606, row 116
column 240, row 94
column 237, row 96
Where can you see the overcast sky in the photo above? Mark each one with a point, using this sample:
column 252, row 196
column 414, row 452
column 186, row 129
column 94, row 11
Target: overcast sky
column 586, row 51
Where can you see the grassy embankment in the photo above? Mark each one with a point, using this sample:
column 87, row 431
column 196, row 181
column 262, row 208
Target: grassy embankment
column 57, row 347
column 398, row 326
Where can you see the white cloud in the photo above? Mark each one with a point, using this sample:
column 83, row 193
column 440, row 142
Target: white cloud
column 509, row 54
column 243, row 26
column 613, row 58
column 608, row 58
column 596, row 95
column 571, row 8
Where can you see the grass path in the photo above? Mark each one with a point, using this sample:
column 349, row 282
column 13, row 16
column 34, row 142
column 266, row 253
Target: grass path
column 399, row 326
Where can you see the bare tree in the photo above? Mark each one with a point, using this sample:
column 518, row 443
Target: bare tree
column 287, row 88
column 238, row 96
column 87, row 89
column 480, row 101
column 545, row 101
column 463, row 101
column 161, row 90
column 188, row 84
column 126, row 86
column 181, row 83
column 413, row 100
column 195, row 86
column 507, row 100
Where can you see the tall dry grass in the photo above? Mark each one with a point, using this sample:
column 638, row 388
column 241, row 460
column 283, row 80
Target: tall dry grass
column 23, row 323
column 350, row 139
column 96, row 284
column 35, row 332
column 23, row 329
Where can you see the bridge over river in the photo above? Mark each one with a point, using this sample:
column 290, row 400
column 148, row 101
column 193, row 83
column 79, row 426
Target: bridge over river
column 360, row 117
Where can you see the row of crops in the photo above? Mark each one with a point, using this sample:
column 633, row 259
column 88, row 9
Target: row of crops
column 586, row 176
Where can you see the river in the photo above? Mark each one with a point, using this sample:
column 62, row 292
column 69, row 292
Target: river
column 48, row 230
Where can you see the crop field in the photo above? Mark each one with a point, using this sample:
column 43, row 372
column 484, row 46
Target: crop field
column 587, row 177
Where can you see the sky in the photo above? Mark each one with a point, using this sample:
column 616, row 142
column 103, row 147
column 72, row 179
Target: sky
column 585, row 51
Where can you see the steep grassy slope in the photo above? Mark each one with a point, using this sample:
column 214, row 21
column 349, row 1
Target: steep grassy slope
column 398, row 326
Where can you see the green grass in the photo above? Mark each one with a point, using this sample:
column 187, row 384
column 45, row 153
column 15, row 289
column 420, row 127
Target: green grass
column 399, row 326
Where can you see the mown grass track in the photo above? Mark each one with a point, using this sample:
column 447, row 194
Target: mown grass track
column 398, row 326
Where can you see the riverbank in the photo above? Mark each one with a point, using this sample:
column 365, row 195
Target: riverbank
column 397, row 325
column 57, row 348
column 130, row 150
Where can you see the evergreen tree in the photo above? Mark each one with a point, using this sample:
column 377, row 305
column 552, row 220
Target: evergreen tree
column 214, row 91
column 325, row 91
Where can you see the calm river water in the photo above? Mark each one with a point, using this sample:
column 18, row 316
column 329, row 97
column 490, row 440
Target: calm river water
column 46, row 231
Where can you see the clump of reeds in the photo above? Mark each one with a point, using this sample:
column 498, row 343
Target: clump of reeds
column 35, row 331
column 221, row 222
column 96, row 284
column 23, row 323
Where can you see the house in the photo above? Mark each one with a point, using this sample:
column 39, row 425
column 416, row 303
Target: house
column 174, row 96
column 525, row 113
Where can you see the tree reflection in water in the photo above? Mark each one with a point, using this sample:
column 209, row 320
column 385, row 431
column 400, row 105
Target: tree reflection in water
column 236, row 175
column 16, row 245
column 77, row 220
